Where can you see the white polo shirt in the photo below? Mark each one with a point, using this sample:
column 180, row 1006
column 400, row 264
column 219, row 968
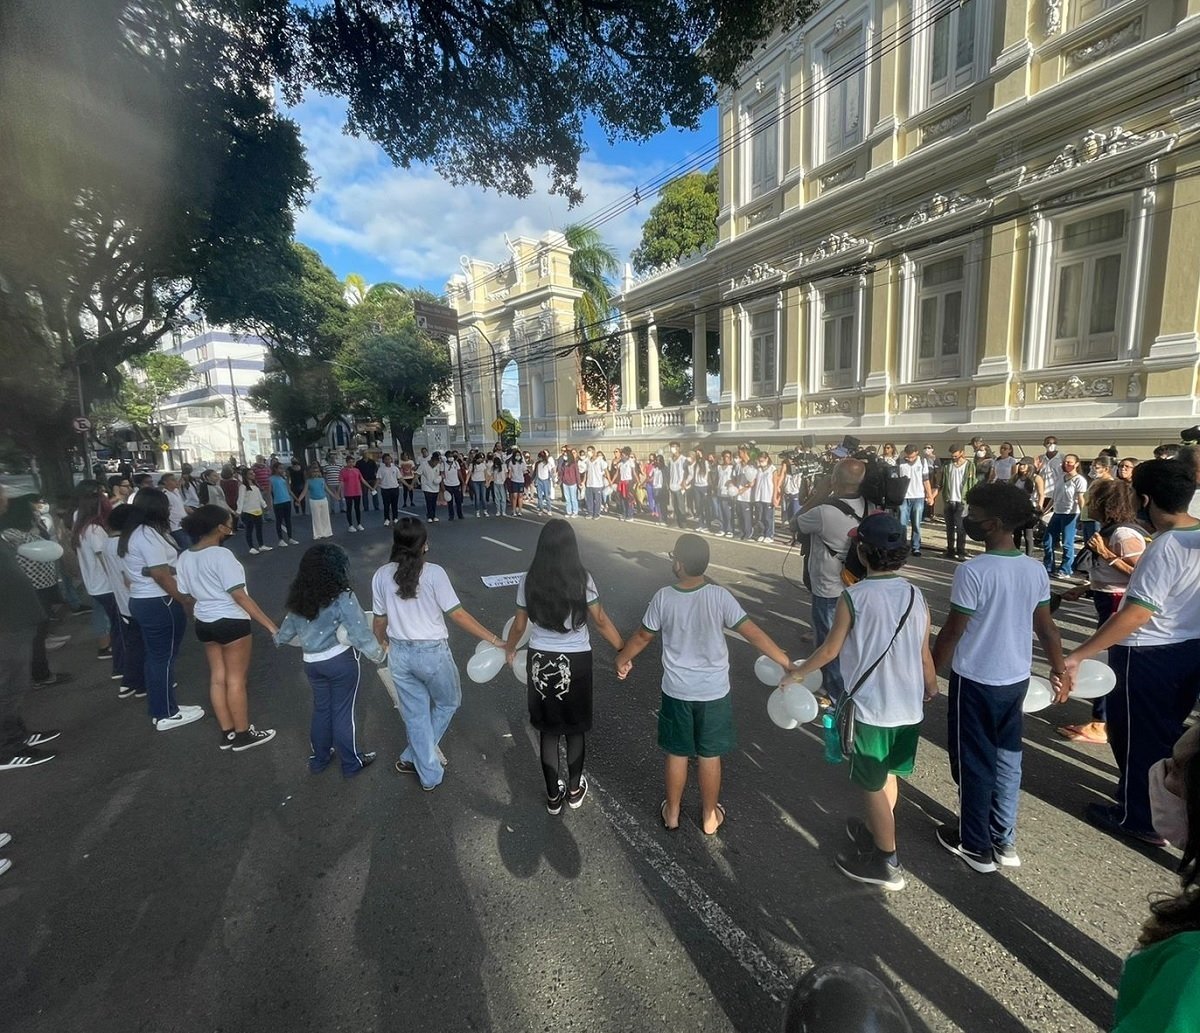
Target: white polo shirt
column 1166, row 581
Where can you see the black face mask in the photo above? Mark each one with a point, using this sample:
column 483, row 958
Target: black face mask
column 974, row 529
column 1143, row 516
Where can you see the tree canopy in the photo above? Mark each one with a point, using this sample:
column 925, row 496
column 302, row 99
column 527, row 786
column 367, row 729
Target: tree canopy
column 682, row 220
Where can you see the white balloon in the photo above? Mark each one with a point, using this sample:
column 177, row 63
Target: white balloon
column 486, row 665
column 1093, row 680
column 519, row 666
column 1038, row 696
column 524, row 639
column 811, row 681
column 768, row 671
column 481, row 645
column 800, row 704
column 41, row 550
column 777, row 711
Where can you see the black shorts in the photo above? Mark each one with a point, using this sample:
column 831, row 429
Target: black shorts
column 222, row 632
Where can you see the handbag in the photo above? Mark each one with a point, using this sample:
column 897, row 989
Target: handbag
column 844, row 715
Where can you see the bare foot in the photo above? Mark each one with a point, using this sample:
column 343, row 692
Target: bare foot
column 715, row 822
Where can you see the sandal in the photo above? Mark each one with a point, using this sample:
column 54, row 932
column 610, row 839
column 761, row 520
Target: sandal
column 662, row 814
column 720, row 821
column 1082, row 733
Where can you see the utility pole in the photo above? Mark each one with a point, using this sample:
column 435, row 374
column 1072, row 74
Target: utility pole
column 237, row 415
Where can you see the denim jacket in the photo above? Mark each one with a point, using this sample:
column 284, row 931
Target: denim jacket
column 320, row 634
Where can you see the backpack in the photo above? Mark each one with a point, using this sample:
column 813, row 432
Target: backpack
column 853, row 568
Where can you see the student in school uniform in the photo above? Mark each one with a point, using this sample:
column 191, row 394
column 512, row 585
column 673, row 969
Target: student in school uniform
column 880, row 634
column 696, row 711
column 998, row 601
column 133, row 651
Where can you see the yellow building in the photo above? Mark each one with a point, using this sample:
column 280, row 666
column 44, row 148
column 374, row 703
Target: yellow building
column 947, row 217
column 515, row 318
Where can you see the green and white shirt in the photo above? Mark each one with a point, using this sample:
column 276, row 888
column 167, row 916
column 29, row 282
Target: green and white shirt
column 1166, row 582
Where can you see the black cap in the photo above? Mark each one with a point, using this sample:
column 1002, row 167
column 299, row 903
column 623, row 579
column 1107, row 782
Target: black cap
column 881, row 530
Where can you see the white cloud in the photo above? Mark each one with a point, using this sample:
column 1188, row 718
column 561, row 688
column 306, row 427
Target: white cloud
column 416, row 224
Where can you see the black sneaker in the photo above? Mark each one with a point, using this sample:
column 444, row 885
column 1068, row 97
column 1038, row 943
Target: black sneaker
column 26, row 757
column 125, row 692
column 41, row 738
column 52, row 679
column 575, row 796
column 858, row 834
column 227, row 737
column 554, row 804
column 1006, row 855
column 316, row 766
column 871, row 867
column 250, row 738
column 949, row 839
column 1108, row 818
column 367, row 760
column 104, row 654
column 406, row 767
column 139, row 693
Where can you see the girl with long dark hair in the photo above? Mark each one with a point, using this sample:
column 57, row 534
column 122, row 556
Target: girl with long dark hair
column 251, row 506
column 133, row 649
column 320, row 601
column 88, row 535
column 558, row 598
column 214, row 578
column 411, row 600
column 157, row 604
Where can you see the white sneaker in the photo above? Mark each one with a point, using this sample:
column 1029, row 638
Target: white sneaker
column 185, row 716
column 387, row 523
column 282, row 545
column 253, row 552
column 6, row 838
column 353, row 529
column 292, row 541
column 264, row 548
column 5, row 865
column 361, row 528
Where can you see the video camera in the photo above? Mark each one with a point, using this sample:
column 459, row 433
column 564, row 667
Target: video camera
column 882, row 485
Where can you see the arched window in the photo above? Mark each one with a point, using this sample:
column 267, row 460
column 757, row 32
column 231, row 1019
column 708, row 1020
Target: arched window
column 537, row 395
column 510, row 388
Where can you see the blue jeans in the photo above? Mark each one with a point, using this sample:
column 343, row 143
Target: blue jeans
column 1061, row 529
column 766, row 519
column 700, row 503
column 725, row 511
column 1156, row 689
column 745, row 513
column 543, row 495
column 571, row 498
column 135, row 655
column 911, row 511
column 163, row 622
column 594, row 497
column 427, row 685
column 477, row 496
column 335, row 688
column 823, row 609
column 985, row 760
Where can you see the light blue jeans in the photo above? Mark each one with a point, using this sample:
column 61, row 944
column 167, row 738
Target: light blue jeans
column 543, row 495
column 823, row 610
column 911, row 511
column 571, row 497
column 427, row 686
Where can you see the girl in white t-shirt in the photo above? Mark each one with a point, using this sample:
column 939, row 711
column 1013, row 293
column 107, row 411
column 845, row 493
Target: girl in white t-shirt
column 515, row 476
column 216, row 581
column 88, row 535
column 556, row 599
column 129, row 635
column 411, row 600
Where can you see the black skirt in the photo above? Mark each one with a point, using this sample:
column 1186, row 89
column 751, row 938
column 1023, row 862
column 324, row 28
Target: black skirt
column 560, row 691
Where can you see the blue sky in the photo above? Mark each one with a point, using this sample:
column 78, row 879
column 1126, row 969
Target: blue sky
column 411, row 226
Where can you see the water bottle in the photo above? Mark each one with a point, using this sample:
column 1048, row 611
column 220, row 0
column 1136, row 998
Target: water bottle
column 833, row 744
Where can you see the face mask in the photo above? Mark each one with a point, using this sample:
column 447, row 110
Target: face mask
column 43, row 508
column 1168, row 812
column 980, row 453
column 1051, row 449
column 974, row 529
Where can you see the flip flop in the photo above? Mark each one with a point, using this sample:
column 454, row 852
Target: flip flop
column 662, row 814
column 720, row 821
column 1068, row 731
column 1079, row 733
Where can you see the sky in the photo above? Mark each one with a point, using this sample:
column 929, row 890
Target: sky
column 410, row 226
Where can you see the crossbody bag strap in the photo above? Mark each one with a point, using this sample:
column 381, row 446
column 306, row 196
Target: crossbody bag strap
column 912, row 598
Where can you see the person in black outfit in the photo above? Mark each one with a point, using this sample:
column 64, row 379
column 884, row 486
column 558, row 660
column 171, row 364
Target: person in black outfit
column 370, row 474
column 298, row 480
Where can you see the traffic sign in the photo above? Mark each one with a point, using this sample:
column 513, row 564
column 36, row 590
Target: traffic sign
column 436, row 319
column 498, row 425
column 165, row 447
column 81, row 424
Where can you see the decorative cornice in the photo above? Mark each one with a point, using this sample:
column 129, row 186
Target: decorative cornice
column 946, row 125
column 840, row 175
column 1074, row 387
column 758, row 272
column 1053, row 17
column 1118, row 39
column 837, row 244
column 1095, row 144
column 932, row 399
column 831, row 407
column 938, row 207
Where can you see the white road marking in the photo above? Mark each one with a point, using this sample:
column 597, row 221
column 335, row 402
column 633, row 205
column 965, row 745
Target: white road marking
column 503, row 545
column 769, row 976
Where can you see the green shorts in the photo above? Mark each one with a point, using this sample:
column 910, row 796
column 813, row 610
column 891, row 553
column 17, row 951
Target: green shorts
column 696, row 728
column 879, row 752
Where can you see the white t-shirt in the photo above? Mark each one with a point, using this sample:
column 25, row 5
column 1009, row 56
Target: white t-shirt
column 91, row 568
column 114, row 566
column 479, row 471
column 389, row 476
column 1004, row 467
column 595, row 473
column 178, row 512
column 1166, row 581
column 1051, row 470
column 575, row 640
column 764, row 485
column 421, row 619
column 208, row 575
column 544, row 470
column 251, row 501
column 1127, row 542
column 999, row 591
column 678, row 469
column 953, row 479
column 625, row 470
column 452, row 475
column 147, row 548
column 726, row 483
column 829, row 528
column 894, row 693
column 1194, row 506
column 1067, row 493
column 917, row 473
column 516, row 472
column 694, row 654
column 431, row 476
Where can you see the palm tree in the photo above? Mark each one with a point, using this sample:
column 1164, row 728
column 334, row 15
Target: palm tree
column 593, row 263
column 358, row 290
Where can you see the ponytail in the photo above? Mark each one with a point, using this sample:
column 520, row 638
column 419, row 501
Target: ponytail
column 408, row 553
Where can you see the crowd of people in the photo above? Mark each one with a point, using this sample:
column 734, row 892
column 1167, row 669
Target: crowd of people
column 152, row 557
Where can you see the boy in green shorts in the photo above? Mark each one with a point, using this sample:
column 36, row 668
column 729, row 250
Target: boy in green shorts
column 695, row 718
column 880, row 637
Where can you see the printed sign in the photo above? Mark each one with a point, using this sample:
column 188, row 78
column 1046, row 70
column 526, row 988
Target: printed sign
column 502, row 580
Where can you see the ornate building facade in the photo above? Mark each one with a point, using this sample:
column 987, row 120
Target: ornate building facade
column 947, row 217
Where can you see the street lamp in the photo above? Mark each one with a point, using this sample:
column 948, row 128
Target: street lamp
column 607, row 381
column 495, row 367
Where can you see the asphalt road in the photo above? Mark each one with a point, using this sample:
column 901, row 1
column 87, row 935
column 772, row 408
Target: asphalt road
column 159, row 884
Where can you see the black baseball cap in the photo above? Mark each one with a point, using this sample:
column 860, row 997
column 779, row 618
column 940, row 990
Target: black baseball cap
column 882, row 530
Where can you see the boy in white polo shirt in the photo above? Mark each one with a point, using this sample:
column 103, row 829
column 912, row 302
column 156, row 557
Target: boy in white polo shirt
column 880, row 634
column 1153, row 644
column 695, row 716
column 998, row 601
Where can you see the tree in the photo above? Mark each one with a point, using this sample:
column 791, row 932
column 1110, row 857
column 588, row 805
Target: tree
column 683, row 220
column 146, row 172
column 512, row 429
column 593, row 262
column 157, row 376
column 486, row 90
column 302, row 402
column 357, row 290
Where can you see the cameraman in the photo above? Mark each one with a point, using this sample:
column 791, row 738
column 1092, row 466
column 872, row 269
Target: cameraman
column 832, row 511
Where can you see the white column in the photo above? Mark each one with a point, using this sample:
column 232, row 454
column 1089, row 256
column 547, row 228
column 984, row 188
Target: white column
column 700, row 358
column 654, row 398
column 629, row 369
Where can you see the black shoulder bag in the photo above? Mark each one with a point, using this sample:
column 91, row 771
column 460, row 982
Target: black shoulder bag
column 843, row 716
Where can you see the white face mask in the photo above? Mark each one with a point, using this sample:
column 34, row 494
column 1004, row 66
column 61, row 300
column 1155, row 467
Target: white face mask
column 980, row 453
column 43, row 509
column 1168, row 812
column 1051, row 448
